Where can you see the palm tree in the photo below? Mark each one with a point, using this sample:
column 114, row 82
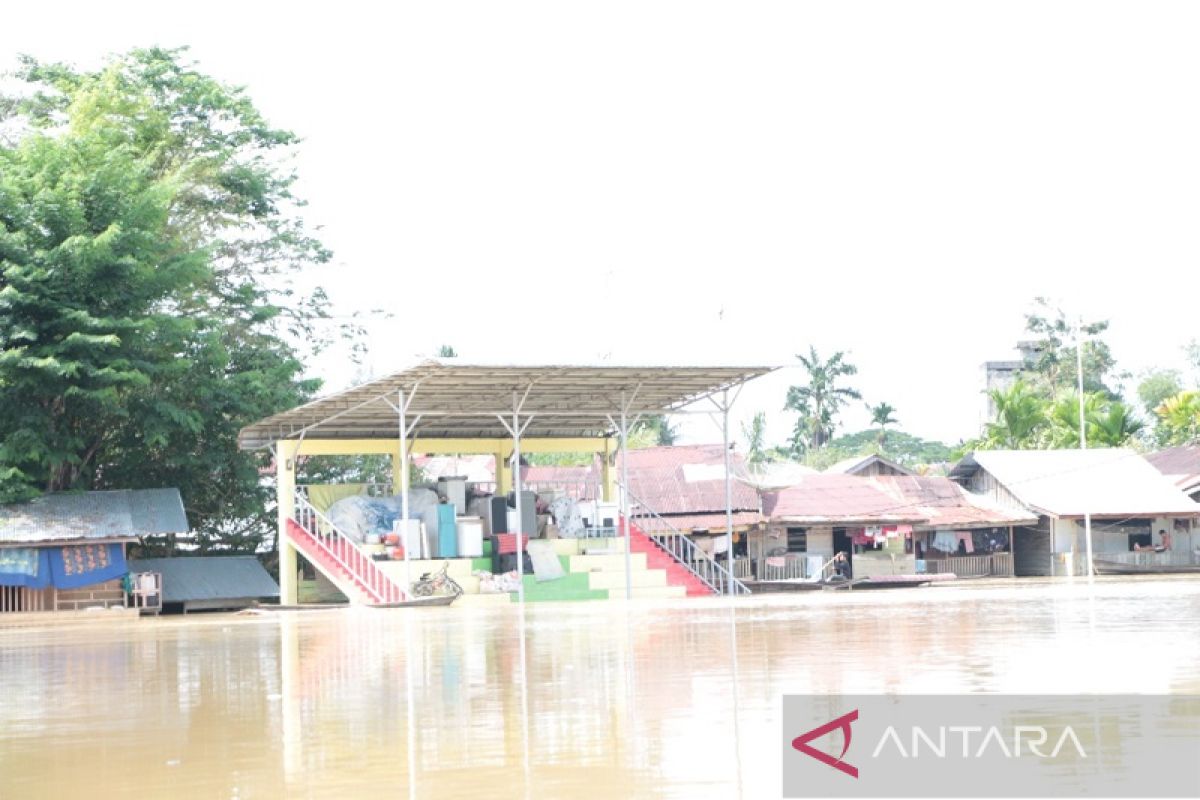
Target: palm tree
column 882, row 415
column 819, row 401
column 755, row 432
column 1063, row 419
column 1113, row 426
column 1181, row 416
column 1021, row 418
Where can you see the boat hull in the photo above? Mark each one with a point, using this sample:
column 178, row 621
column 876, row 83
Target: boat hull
column 1118, row 568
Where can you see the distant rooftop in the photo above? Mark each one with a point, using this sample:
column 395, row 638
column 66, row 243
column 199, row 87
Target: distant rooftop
column 1112, row 482
column 189, row 579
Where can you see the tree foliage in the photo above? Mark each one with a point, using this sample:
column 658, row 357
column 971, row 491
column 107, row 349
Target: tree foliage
column 1054, row 368
column 1180, row 418
column 883, row 414
column 655, row 430
column 755, row 432
column 1026, row 420
column 820, row 399
column 903, row 448
column 148, row 235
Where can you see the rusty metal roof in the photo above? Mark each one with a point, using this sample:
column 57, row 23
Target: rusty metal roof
column 538, row 473
column 837, row 499
column 946, row 505
column 93, row 515
column 1180, row 464
column 688, row 479
column 458, row 400
column 693, row 523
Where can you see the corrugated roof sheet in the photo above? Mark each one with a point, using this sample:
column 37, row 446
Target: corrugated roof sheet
column 1112, row 482
column 945, row 504
column 457, row 399
column 93, row 515
column 687, row 479
column 191, row 578
column 837, row 499
column 1180, row 464
column 687, row 523
column 856, row 464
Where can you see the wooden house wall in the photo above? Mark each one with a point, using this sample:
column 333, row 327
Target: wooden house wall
column 984, row 483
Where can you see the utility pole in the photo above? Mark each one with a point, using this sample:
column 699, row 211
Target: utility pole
column 1087, row 517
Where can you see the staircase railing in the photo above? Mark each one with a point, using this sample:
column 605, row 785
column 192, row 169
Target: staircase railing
column 825, row 573
column 344, row 551
column 681, row 548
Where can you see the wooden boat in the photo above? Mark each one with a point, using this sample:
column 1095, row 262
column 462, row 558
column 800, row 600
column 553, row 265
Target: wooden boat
column 1106, row 567
column 418, row 602
column 768, row 587
column 881, row 582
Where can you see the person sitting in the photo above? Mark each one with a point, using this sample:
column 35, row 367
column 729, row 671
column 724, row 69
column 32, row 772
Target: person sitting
column 841, row 565
column 1163, row 546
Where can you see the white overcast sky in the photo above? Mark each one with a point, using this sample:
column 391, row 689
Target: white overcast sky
column 690, row 182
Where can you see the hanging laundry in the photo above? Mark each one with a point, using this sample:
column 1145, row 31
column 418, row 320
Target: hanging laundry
column 945, row 541
column 967, row 540
column 25, row 566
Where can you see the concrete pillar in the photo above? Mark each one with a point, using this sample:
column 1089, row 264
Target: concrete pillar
column 503, row 472
column 397, row 471
column 607, row 474
column 285, row 493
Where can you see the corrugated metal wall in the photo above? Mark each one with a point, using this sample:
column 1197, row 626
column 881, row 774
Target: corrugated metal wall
column 1031, row 549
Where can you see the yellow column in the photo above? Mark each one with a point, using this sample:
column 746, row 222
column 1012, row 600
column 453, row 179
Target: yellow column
column 503, row 472
column 285, row 493
column 397, row 478
column 607, row 473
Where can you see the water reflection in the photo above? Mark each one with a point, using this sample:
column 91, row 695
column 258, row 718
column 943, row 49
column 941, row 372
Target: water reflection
column 672, row 699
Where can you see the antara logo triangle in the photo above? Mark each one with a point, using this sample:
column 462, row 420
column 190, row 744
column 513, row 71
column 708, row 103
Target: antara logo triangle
column 843, row 722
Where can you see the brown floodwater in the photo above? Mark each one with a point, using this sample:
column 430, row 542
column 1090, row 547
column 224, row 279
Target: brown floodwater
column 648, row 699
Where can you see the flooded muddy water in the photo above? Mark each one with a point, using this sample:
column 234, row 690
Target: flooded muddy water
column 650, row 699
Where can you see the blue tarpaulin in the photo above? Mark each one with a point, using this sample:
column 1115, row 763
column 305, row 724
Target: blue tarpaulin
column 25, row 566
column 83, row 565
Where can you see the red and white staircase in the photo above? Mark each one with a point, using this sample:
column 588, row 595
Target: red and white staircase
column 352, row 571
column 671, row 550
column 658, row 558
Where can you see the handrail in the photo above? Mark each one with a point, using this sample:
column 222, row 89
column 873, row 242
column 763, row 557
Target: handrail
column 681, row 548
column 823, row 574
column 346, row 552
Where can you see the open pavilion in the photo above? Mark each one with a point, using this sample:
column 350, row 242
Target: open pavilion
column 442, row 406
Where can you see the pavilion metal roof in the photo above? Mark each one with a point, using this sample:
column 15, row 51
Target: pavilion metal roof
column 455, row 400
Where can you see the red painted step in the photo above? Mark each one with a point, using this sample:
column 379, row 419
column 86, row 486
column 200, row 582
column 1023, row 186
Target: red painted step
column 657, row 558
column 303, row 539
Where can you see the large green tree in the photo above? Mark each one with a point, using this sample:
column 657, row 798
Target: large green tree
column 148, row 235
column 1053, row 369
column 901, row 447
column 820, row 399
